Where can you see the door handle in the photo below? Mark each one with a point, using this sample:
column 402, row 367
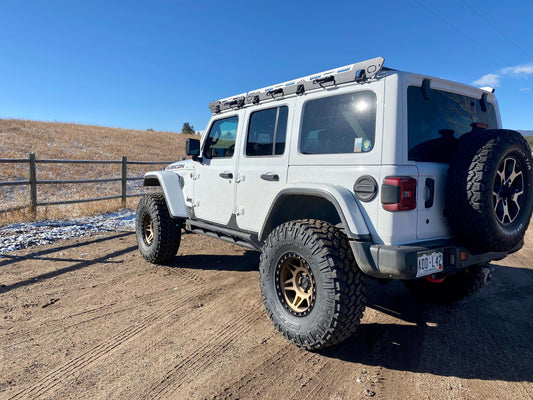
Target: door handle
column 270, row 177
column 430, row 184
column 226, row 175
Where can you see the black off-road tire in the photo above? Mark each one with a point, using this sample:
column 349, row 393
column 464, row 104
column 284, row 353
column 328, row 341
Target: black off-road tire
column 487, row 170
column 336, row 286
column 158, row 235
column 454, row 288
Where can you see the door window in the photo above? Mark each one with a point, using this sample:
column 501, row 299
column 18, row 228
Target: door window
column 220, row 142
column 266, row 132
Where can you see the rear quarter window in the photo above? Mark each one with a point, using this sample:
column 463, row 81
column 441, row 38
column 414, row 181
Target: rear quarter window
column 343, row 123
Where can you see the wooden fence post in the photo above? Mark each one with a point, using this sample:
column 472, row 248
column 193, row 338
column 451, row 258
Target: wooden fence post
column 124, row 179
column 33, row 186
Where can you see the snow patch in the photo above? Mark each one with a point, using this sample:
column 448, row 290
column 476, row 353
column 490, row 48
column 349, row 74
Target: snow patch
column 23, row 235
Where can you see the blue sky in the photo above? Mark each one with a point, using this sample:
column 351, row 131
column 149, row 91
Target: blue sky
column 157, row 64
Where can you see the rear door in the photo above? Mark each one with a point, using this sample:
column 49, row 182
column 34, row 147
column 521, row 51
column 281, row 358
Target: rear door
column 263, row 162
column 437, row 117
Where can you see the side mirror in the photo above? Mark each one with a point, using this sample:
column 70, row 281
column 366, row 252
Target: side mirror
column 192, row 147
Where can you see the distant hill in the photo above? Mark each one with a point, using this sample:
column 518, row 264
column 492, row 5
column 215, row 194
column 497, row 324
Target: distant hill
column 526, row 133
column 57, row 140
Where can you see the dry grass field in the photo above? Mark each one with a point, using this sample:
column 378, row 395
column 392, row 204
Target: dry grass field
column 19, row 138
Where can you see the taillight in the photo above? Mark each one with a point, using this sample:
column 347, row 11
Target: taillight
column 479, row 125
column 398, row 193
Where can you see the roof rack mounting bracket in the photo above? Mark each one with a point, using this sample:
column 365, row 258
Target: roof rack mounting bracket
column 326, row 79
column 360, row 76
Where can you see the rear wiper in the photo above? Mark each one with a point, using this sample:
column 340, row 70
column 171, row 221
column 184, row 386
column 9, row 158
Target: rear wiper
column 483, row 102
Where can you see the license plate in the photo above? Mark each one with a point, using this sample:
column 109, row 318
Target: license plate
column 429, row 262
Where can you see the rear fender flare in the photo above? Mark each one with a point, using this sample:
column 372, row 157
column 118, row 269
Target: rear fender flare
column 341, row 198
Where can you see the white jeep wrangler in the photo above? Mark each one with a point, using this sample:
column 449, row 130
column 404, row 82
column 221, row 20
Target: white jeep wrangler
column 353, row 172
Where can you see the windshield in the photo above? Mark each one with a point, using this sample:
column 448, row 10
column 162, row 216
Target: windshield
column 435, row 123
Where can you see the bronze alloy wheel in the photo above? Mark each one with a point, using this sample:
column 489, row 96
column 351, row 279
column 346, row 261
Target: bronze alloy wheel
column 295, row 284
column 508, row 194
column 148, row 229
column 158, row 234
column 313, row 291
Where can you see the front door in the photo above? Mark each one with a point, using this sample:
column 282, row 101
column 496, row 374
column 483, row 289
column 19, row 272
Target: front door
column 214, row 176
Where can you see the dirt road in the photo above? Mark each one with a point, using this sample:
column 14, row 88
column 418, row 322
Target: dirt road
column 90, row 319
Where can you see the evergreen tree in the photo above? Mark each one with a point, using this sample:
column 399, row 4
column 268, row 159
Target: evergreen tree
column 187, row 128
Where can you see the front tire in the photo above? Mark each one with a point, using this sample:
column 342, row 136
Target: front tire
column 158, row 235
column 312, row 289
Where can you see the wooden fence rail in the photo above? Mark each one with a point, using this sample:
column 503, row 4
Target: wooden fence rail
column 33, row 182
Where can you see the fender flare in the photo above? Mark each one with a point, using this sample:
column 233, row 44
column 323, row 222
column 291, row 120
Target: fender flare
column 172, row 187
column 342, row 199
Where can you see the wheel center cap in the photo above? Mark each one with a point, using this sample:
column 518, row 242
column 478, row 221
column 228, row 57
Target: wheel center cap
column 305, row 282
column 507, row 191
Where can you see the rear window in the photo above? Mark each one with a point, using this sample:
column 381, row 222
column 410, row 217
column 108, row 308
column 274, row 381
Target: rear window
column 343, row 123
column 435, row 124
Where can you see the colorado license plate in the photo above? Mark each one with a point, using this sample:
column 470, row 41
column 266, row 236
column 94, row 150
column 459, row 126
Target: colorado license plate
column 429, row 262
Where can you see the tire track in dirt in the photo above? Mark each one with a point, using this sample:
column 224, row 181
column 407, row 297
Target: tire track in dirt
column 136, row 303
column 55, row 321
column 193, row 365
column 321, row 382
column 282, row 366
column 55, row 377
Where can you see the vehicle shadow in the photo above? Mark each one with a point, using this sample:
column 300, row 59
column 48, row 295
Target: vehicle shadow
column 249, row 261
column 47, row 255
column 487, row 336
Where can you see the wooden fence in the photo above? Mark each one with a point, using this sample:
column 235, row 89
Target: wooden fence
column 33, row 182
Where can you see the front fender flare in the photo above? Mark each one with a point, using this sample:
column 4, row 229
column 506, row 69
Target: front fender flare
column 172, row 187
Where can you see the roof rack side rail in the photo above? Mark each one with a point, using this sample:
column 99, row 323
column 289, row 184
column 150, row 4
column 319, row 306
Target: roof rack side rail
column 359, row 72
column 229, row 103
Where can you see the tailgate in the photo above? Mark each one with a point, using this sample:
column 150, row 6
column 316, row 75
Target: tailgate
column 431, row 223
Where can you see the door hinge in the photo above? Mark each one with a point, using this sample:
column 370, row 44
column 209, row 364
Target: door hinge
column 238, row 210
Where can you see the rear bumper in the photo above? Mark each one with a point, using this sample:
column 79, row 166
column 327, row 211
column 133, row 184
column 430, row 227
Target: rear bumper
column 401, row 262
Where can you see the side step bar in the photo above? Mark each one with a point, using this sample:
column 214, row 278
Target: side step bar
column 246, row 240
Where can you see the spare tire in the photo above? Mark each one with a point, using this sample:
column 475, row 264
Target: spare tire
column 489, row 189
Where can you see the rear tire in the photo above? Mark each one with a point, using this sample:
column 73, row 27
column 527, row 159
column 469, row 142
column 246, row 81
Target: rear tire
column 158, row 235
column 453, row 288
column 312, row 289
